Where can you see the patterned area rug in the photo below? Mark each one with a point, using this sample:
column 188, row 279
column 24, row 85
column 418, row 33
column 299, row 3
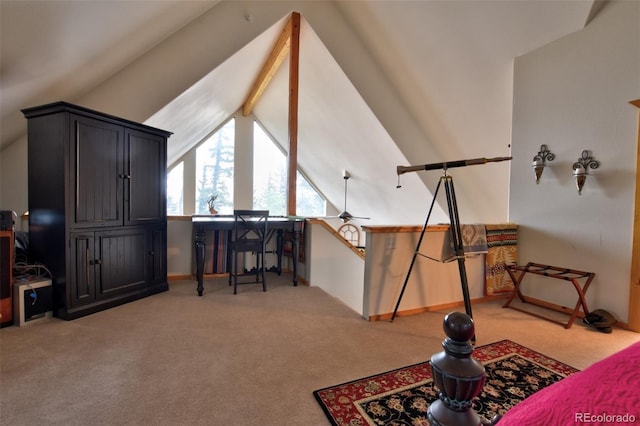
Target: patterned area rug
column 402, row 396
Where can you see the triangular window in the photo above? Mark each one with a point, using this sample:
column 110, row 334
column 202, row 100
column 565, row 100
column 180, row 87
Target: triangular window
column 214, row 170
column 270, row 180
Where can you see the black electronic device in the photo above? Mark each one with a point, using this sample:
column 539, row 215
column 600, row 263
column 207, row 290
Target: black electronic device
column 37, row 302
column 32, row 301
column 7, row 220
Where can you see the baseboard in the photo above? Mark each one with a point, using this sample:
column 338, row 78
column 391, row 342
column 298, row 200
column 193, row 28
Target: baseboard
column 433, row 308
column 177, row 277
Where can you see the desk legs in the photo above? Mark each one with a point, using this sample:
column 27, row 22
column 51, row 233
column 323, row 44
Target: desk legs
column 294, row 243
column 200, row 249
column 279, row 249
column 295, row 251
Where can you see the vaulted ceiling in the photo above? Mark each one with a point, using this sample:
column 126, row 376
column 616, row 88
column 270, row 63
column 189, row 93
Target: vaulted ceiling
column 449, row 64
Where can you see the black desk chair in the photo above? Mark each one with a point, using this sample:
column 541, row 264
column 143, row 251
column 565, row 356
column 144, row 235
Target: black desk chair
column 249, row 234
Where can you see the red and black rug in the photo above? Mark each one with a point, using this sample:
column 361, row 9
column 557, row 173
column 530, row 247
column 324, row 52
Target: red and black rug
column 403, row 396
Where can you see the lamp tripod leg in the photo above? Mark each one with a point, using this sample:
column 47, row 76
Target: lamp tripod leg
column 458, row 246
column 417, row 250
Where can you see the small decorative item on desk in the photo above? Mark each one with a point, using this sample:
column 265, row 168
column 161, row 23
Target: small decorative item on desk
column 211, row 202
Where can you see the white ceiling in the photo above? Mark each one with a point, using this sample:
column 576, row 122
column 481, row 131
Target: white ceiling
column 60, row 50
column 451, row 63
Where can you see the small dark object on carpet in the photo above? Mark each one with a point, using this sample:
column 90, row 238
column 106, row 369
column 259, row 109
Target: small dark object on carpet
column 601, row 320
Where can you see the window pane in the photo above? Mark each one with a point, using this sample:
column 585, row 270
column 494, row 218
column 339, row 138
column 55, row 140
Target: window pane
column 175, row 178
column 308, row 201
column 269, row 174
column 214, row 170
column 270, row 181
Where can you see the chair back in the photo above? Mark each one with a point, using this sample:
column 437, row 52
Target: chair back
column 249, row 229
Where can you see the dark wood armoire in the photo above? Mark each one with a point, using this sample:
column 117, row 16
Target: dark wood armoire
column 97, row 206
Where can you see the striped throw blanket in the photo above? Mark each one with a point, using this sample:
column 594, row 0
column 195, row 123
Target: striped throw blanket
column 502, row 242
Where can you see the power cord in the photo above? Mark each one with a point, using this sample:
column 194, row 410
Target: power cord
column 25, row 271
column 33, row 295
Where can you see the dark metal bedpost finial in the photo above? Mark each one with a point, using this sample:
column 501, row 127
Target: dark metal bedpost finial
column 457, row 375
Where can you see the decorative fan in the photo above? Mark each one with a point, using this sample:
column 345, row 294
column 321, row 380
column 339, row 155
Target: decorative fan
column 345, row 216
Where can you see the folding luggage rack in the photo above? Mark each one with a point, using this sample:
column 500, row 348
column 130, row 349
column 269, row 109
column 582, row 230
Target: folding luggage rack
column 571, row 275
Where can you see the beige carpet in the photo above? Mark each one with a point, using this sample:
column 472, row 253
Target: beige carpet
column 250, row 359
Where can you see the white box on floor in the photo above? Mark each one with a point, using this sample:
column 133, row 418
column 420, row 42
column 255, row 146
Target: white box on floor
column 32, row 301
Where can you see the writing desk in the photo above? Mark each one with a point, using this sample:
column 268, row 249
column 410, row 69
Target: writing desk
column 278, row 224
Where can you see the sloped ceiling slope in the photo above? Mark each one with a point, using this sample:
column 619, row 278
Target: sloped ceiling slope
column 450, row 63
column 337, row 130
column 207, row 104
column 60, row 50
column 382, row 82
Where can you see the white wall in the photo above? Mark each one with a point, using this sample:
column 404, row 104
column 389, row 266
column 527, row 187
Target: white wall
column 573, row 95
column 13, row 178
column 180, row 248
column 334, row 267
column 431, row 283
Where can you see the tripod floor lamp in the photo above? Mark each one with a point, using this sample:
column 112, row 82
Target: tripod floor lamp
column 452, row 207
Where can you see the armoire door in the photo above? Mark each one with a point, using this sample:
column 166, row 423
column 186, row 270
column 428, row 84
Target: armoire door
column 157, row 258
column 96, row 172
column 145, row 188
column 122, row 261
column 81, row 281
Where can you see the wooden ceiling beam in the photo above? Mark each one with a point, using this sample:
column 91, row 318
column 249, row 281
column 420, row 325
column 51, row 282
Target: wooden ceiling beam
column 277, row 55
column 294, row 79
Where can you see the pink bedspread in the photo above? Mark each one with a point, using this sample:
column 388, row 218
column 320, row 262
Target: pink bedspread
column 606, row 393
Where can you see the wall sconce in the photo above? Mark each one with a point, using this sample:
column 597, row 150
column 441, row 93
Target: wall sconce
column 539, row 161
column 581, row 169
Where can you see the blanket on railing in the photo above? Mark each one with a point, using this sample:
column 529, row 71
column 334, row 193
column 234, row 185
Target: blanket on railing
column 502, row 242
column 474, row 238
